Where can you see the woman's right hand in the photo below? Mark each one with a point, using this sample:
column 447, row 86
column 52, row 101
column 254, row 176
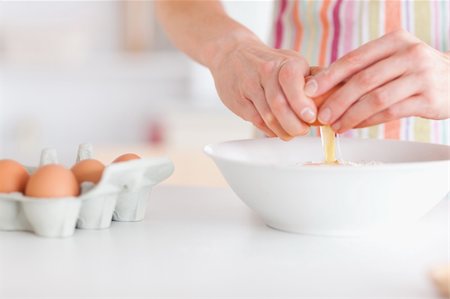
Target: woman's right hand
column 265, row 86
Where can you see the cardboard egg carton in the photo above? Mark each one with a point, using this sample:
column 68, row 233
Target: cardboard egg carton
column 121, row 195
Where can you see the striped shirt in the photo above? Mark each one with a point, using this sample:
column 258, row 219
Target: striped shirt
column 324, row 30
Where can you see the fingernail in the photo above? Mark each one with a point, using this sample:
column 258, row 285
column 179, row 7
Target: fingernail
column 325, row 116
column 308, row 115
column 311, row 88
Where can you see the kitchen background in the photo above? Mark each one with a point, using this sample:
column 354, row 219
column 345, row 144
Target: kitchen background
column 103, row 72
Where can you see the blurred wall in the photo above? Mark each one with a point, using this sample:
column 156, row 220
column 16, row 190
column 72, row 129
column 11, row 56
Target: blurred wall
column 66, row 78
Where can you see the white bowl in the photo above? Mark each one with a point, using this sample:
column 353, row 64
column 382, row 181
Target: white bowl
column 269, row 176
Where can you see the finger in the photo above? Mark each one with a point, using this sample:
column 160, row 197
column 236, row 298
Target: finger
column 314, row 70
column 246, row 110
column 281, row 109
column 267, row 132
column 259, row 123
column 358, row 60
column 411, row 106
column 291, row 78
column 278, row 104
column 260, row 103
column 377, row 101
column 252, row 90
column 360, row 84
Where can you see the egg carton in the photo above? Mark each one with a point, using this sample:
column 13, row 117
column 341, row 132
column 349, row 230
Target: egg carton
column 120, row 195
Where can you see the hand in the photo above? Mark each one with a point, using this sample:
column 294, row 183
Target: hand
column 392, row 77
column 265, row 86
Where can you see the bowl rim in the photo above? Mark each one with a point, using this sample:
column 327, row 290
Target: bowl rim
column 209, row 150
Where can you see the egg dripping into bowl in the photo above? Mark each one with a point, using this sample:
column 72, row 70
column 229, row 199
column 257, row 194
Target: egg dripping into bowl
column 328, row 136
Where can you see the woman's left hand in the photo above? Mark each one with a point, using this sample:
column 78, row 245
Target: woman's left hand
column 392, row 77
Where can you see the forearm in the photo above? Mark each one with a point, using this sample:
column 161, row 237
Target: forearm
column 201, row 29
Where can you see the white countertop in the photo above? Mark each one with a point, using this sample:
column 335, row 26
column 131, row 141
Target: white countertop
column 200, row 242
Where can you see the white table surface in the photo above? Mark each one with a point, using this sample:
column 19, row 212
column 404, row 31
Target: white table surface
column 200, row 242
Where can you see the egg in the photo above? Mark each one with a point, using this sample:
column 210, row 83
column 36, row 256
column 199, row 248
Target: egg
column 126, row 157
column 13, row 176
column 321, row 99
column 52, row 181
column 89, row 170
column 327, row 134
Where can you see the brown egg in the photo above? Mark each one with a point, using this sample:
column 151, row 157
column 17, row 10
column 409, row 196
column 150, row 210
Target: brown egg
column 126, row 157
column 52, row 181
column 13, row 177
column 321, row 99
column 89, row 170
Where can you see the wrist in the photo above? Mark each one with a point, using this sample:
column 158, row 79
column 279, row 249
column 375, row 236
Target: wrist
column 217, row 49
